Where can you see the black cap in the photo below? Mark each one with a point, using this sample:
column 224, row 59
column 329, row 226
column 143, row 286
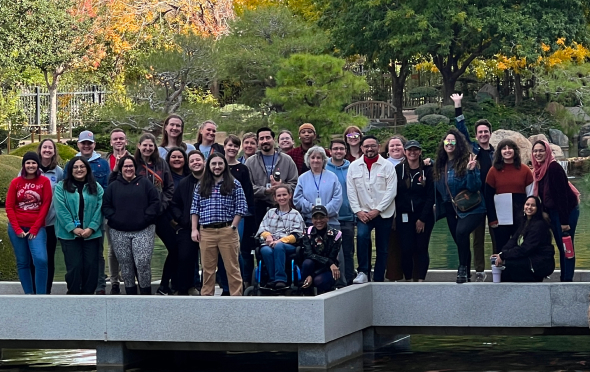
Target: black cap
column 412, row 143
column 31, row 156
column 319, row 209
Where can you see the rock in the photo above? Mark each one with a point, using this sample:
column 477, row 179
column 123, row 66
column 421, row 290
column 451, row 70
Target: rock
column 584, row 152
column 525, row 146
column 584, row 142
column 557, row 152
column 489, row 89
column 579, row 114
column 554, row 107
column 584, row 129
column 537, row 137
column 558, row 138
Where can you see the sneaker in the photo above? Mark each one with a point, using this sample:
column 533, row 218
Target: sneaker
column 100, row 292
column 361, row 278
column 280, row 285
column 163, row 291
column 115, row 290
column 462, row 274
column 193, row 292
column 225, row 293
column 480, row 277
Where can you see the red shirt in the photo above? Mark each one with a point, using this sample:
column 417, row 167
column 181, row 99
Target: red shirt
column 27, row 203
column 370, row 161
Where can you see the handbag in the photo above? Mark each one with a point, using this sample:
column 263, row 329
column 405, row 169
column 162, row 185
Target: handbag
column 465, row 200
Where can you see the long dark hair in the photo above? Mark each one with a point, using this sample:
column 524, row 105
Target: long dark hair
column 499, row 160
column 53, row 163
column 165, row 140
column 538, row 216
column 185, row 169
column 208, row 181
column 407, row 178
column 154, row 156
column 461, row 155
column 69, row 179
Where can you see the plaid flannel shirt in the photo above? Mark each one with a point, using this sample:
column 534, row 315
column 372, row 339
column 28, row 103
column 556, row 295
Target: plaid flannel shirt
column 219, row 208
column 282, row 225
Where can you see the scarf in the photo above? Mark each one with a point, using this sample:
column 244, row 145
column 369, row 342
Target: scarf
column 539, row 170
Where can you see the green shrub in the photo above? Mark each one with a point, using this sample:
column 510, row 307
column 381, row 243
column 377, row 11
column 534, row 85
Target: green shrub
column 448, row 111
column 428, row 136
column 7, row 260
column 9, row 168
column 65, row 152
column 434, row 119
column 427, row 109
column 423, row 92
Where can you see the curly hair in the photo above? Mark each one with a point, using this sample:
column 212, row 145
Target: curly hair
column 499, row 160
column 461, row 155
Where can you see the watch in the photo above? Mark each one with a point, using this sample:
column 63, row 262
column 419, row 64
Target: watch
column 233, row 227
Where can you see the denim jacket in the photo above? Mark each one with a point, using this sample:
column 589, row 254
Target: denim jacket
column 470, row 181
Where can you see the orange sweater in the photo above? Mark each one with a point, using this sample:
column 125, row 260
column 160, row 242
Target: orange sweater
column 510, row 180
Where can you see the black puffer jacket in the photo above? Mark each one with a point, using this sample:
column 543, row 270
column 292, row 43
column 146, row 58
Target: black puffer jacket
column 130, row 206
column 322, row 246
column 536, row 245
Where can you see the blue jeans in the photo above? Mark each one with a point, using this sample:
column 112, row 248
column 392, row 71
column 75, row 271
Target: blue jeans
column 274, row 259
column 24, row 250
column 382, row 228
column 567, row 265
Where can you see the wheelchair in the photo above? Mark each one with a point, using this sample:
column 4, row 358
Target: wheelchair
column 261, row 278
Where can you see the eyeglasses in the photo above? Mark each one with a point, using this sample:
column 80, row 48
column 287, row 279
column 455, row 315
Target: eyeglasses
column 353, row 135
column 77, row 167
column 370, row 146
column 451, row 142
column 338, row 149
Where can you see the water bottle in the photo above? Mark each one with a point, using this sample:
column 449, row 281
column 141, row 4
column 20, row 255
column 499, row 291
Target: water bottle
column 568, row 246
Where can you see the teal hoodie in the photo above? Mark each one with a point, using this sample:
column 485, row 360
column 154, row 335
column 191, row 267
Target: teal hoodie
column 66, row 206
column 345, row 213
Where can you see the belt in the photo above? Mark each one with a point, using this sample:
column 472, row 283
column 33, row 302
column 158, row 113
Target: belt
column 217, row 225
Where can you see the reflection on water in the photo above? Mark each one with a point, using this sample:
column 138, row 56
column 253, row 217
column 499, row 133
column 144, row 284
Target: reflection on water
column 428, row 353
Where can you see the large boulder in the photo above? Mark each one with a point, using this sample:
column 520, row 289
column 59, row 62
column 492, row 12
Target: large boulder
column 584, row 142
column 584, row 152
column 522, row 142
column 559, row 138
column 584, row 129
column 537, row 137
column 557, row 152
column 554, row 107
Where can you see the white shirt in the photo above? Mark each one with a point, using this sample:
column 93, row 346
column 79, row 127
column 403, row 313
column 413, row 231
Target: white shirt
column 372, row 190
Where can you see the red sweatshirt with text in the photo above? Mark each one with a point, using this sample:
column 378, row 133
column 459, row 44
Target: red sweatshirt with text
column 27, row 203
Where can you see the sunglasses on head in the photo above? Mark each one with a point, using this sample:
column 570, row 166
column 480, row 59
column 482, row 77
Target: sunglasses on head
column 451, row 142
column 353, row 135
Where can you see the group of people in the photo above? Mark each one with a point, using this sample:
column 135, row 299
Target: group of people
column 206, row 203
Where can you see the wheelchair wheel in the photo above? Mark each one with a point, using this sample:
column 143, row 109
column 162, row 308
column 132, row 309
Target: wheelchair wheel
column 250, row 291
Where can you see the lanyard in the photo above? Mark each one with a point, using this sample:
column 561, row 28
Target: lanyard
column 272, row 165
column 317, row 184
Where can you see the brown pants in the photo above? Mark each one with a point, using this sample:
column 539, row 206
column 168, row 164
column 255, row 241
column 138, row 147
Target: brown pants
column 224, row 241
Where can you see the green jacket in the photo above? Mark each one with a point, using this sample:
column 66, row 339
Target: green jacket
column 66, row 206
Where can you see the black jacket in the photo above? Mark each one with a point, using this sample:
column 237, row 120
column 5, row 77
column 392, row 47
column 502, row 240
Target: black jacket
column 182, row 201
column 536, row 245
column 419, row 196
column 241, row 173
column 130, row 206
column 322, row 249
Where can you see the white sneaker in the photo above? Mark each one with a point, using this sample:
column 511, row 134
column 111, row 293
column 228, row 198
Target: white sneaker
column 361, row 278
column 480, row 276
column 193, row 292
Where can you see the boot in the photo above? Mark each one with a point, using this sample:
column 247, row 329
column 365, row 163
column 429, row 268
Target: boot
column 147, row 291
column 131, row 290
column 462, row 274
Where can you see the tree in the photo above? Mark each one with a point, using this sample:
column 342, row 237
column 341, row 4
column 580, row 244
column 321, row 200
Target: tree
column 314, row 89
column 257, row 42
column 46, row 34
column 361, row 28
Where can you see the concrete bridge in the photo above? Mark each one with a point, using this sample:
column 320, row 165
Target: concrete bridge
column 325, row 330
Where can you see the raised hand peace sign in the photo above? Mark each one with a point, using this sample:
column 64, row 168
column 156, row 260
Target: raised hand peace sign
column 472, row 162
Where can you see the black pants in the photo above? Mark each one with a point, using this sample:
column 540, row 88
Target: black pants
column 168, row 236
column 260, row 208
column 247, row 244
column 414, row 246
column 188, row 255
column 519, row 270
column 81, row 258
column 460, row 229
column 51, row 247
column 502, row 235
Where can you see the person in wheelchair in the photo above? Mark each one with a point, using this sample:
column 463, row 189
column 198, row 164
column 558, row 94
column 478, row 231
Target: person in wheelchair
column 321, row 245
column 280, row 229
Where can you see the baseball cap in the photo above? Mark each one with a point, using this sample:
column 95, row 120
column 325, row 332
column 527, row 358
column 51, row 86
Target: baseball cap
column 86, row 136
column 319, row 209
column 412, row 143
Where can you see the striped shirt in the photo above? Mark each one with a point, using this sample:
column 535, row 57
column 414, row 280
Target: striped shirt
column 281, row 224
column 219, row 208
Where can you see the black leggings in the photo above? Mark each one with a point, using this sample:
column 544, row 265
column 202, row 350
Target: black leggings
column 519, row 270
column 414, row 246
column 460, row 229
column 502, row 235
column 188, row 255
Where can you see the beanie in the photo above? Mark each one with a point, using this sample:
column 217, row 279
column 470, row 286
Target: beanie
column 31, row 156
column 307, row 126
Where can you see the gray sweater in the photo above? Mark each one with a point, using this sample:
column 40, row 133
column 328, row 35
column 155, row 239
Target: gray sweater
column 284, row 164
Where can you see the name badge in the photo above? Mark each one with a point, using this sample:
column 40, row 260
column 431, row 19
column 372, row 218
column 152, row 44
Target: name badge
column 404, row 217
column 268, row 186
column 318, row 201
